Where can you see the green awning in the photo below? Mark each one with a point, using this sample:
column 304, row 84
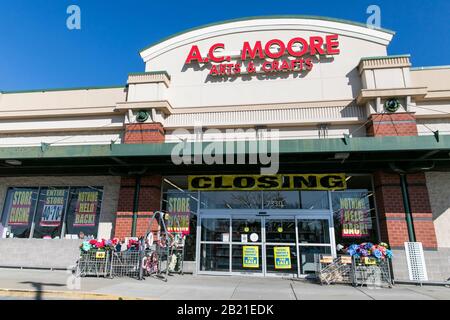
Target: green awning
column 298, row 146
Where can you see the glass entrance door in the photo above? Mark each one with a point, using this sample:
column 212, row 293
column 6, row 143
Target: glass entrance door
column 280, row 246
column 246, row 246
column 251, row 244
column 313, row 238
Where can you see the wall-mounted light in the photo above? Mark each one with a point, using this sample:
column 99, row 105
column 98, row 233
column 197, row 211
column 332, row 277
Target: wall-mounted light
column 342, row 156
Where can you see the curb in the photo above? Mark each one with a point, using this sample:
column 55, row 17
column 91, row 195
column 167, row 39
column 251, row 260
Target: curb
column 64, row 294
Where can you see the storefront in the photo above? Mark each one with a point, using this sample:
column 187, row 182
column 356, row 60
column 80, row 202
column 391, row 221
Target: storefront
column 267, row 140
column 271, row 232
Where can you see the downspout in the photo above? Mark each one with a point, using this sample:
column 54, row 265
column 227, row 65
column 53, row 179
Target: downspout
column 137, row 191
column 407, row 206
column 405, row 195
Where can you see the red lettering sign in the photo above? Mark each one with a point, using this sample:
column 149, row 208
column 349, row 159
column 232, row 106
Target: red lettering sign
column 300, row 48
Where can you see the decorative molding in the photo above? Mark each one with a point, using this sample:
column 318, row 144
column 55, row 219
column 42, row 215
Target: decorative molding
column 56, row 113
column 149, row 77
column 384, row 62
column 163, row 106
column 370, row 94
column 290, row 116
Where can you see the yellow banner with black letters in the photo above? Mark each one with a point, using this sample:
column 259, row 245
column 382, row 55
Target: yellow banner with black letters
column 280, row 182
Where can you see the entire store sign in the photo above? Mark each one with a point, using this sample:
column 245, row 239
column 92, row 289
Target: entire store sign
column 321, row 182
column 52, row 210
column 275, row 55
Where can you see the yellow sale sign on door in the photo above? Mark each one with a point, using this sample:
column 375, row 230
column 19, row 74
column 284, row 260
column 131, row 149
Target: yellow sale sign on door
column 250, row 257
column 282, row 257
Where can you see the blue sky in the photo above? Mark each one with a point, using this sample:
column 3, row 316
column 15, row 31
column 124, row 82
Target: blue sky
column 38, row 51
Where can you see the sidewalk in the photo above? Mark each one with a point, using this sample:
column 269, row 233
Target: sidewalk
column 33, row 284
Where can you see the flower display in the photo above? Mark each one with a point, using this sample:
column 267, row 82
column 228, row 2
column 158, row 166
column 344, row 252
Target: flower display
column 95, row 245
column 369, row 250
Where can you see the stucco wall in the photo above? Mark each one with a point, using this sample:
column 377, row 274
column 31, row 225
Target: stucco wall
column 335, row 78
column 111, row 190
column 438, row 184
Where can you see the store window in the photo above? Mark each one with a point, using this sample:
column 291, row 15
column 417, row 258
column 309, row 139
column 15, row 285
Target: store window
column 231, row 200
column 83, row 213
column 354, row 212
column 52, row 212
column 18, row 211
column 182, row 208
column 48, row 220
column 307, row 200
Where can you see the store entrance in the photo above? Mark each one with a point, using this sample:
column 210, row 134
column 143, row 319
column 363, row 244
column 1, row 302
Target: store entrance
column 268, row 244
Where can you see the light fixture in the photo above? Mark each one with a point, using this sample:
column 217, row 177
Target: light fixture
column 13, row 162
column 342, row 156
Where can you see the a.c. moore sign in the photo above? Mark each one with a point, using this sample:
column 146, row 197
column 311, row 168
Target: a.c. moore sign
column 275, row 55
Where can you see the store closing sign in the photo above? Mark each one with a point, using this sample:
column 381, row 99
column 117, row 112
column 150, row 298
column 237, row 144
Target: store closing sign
column 20, row 209
column 179, row 207
column 268, row 182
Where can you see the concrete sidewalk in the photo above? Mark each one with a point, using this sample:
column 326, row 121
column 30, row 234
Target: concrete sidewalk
column 53, row 284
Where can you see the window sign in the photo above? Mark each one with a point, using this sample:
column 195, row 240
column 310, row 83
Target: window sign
column 86, row 208
column 179, row 208
column 53, row 207
column 282, row 257
column 21, row 207
column 250, row 256
column 18, row 211
column 83, row 212
column 355, row 218
column 50, row 213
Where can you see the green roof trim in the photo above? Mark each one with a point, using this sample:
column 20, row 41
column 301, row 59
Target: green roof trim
column 149, row 73
column 359, row 24
column 63, row 89
column 299, row 146
column 386, row 57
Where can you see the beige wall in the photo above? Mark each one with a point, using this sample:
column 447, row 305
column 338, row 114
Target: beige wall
column 438, row 184
column 333, row 78
column 110, row 196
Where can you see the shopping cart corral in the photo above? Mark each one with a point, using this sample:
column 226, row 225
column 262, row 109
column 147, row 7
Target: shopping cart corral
column 94, row 264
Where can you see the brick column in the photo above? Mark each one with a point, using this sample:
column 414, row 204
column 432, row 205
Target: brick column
column 149, row 201
column 391, row 212
column 392, row 124
column 393, row 227
column 141, row 133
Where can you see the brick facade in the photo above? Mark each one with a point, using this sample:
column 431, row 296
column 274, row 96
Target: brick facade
column 392, row 124
column 149, row 201
column 141, row 133
column 391, row 212
column 393, row 227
